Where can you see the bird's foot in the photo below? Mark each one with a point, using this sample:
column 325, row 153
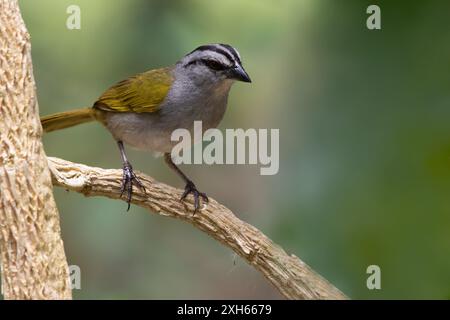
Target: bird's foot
column 129, row 177
column 191, row 188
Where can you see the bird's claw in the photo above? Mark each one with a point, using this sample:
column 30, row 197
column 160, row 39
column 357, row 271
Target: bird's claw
column 128, row 178
column 191, row 188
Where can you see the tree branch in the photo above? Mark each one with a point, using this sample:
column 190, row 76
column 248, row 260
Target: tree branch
column 292, row 277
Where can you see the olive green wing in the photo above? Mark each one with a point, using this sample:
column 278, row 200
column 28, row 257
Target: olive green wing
column 141, row 93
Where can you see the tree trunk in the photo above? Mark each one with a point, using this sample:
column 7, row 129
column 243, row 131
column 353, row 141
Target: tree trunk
column 33, row 262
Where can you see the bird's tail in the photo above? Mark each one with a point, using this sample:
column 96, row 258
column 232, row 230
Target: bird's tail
column 67, row 119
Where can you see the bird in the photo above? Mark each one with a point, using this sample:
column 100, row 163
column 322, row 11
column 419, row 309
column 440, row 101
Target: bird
column 143, row 110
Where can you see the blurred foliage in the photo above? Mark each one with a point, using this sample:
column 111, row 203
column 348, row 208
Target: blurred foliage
column 365, row 142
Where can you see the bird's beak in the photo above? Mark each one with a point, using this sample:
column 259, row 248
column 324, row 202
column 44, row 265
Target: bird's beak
column 238, row 73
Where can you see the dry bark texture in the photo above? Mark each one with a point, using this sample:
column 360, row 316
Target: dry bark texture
column 292, row 277
column 33, row 262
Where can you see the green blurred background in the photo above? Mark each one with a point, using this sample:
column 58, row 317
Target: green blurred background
column 364, row 142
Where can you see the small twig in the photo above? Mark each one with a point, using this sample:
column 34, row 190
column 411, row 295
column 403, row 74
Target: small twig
column 292, row 277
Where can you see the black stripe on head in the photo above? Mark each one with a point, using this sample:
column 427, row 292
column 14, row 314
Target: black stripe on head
column 228, row 52
column 233, row 52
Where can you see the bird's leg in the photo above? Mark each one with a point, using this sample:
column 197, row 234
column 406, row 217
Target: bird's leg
column 190, row 186
column 128, row 176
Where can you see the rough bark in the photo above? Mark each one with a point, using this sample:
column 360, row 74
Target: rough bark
column 33, row 262
column 292, row 277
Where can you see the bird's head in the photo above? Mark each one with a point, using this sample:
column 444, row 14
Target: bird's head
column 214, row 64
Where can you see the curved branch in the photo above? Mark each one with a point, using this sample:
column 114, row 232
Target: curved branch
column 292, row 277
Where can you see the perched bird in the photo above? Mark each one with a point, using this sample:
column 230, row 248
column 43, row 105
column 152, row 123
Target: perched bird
column 143, row 110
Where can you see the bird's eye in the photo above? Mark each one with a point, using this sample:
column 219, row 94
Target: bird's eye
column 214, row 65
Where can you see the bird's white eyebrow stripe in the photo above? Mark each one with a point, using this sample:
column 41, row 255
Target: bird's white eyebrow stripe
column 213, row 56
